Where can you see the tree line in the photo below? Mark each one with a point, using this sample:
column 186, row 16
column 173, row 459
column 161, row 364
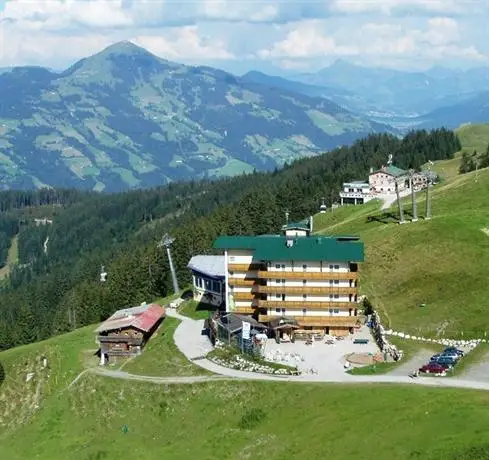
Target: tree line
column 60, row 290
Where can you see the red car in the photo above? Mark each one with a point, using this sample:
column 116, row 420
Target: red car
column 433, row 368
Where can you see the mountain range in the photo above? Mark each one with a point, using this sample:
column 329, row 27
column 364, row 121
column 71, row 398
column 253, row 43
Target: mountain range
column 126, row 118
column 386, row 93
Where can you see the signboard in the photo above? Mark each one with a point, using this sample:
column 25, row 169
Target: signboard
column 246, row 330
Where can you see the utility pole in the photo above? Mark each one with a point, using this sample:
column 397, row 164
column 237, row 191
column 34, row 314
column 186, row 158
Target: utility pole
column 428, row 200
column 413, row 197
column 401, row 212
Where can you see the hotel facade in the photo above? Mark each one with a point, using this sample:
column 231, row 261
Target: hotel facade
column 313, row 279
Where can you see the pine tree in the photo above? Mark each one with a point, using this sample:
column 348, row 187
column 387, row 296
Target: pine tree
column 484, row 159
column 467, row 163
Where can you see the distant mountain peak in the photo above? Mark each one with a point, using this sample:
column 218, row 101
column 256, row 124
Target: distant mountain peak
column 125, row 47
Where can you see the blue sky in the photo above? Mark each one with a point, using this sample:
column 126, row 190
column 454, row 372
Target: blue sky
column 279, row 35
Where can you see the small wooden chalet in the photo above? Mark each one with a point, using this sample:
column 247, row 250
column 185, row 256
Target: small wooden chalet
column 126, row 332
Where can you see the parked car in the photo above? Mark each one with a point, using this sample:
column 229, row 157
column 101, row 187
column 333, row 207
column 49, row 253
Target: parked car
column 454, row 350
column 443, row 356
column 433, row 368
column 445, row 361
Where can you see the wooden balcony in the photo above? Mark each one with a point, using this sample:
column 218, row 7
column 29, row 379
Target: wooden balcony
column 319, row 321
column 301, row 275
column 243, row 295
column 308, row 290
column 245, row 267
column 244, row 310
column 248, row 281
column 306, row 304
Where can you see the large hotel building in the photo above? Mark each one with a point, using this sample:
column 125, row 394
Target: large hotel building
column 313, row 279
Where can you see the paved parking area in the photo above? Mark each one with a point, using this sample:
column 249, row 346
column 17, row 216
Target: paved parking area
column 478, row 371
column 321, row 358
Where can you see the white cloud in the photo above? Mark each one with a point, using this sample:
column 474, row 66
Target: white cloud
column 439, row 39
column 306, row 41
column 185, row 44
column 391, row 6
column 298, row 33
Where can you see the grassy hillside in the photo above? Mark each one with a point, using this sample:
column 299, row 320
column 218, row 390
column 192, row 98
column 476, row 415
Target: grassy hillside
column 103, row 418
column 442, row 263
column 473, row 138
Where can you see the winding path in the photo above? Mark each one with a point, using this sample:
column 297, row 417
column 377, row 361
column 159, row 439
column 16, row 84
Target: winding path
column 194, row 345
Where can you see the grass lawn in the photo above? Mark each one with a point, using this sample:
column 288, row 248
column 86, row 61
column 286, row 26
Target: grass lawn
column 195, row 310
column 262, row 420
column 410, row 349
column 161, row 357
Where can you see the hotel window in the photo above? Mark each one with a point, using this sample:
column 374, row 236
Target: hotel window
column 331, row 282
column 277, row 266
column 283, row 266
column 231, row 273
column 277, row 296
column 277, row 310
column 304, row 311
column 336, row 296
column 331, row 296
column 330, row 311
column 304, row 282
column 331, row 267
column 283, row 311
column 304, row 267
column 277, row 281
column 336, row 281
column 336, row 311
column 336, row 267
column 304, row 297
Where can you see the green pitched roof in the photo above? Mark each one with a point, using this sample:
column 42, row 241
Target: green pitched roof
column 274, row 247
column 302, row 225
column 392, row 170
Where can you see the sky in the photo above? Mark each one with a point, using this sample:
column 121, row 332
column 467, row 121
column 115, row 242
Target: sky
column 276, row 36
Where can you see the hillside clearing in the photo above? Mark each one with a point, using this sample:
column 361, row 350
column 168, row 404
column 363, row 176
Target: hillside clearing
column 12, row 258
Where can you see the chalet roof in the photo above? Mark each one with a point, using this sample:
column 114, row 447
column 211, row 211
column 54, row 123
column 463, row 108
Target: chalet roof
column 391, row 170
column 302, row 225
column 214, row 266
column 234, row 322
column 143, row 317
column 304, row 248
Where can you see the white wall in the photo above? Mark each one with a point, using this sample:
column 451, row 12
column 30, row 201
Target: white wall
column 311, row 266
column 310, row 283
column 236, row 256
column 296, row 232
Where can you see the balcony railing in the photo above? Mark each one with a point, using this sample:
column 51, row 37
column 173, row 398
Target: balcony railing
column 319, row 321
column 245, row 267
column 303, row 275
column 307, row 304
column 243, row 281
column 308, row 290
column 244, row 310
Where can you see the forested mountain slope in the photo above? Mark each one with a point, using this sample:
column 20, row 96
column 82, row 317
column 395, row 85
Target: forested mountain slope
column 59, row 289
column 125, row 118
